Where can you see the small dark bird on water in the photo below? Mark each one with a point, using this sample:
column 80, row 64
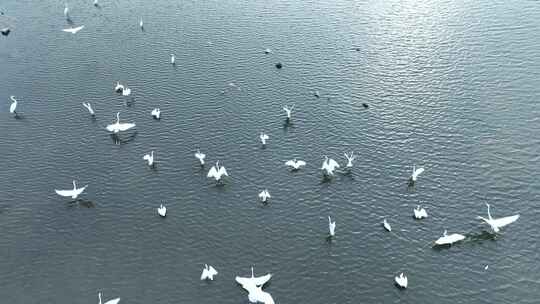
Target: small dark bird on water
column 365, row 105
column 5, row 31
column 279, row 65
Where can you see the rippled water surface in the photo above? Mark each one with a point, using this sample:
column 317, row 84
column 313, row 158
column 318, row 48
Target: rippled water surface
column 452, row 86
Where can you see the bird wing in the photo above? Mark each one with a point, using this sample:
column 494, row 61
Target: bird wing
column 301, row 163
column 261, row 194
column 64, row 192
column 418, row 172
column 204, row 274
column 111, row 127
column 223, row 171
column 333, row 164
column 146, row 157
column 503, row 221
column 212, row 271
column 289, row 163
column 125, row 126
column 12, row 107
column 113, row 301
column 259, row 281
column 213, row 172
column 200, row 155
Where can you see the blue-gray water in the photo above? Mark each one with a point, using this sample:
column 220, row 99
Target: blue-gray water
column 451, row 86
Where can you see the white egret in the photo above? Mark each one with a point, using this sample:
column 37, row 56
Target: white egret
column 173, row 59
column 149, row 158
column 419, row 213
column 264, row 195
column 71, row 193
column 295, row 164
column 117, row 126
column 217, row 172
column 386, row 225
column 208, row 273
column 13, row 105
column 113, row 301
column 264, row 137
column 141, row 24
column 156, row 113
column 253, row 286
column 329, row 165
column 449, row 239
column 415, row 173
column 162, row 210
column 73, row 30
column 126, row 91
column 88, row 106
column 401, row 280
column 118, row 88
column 497, row 224
column 200, row 156
column 66, row 11
column 350, row 158
column 331, row 226
column 288, row 111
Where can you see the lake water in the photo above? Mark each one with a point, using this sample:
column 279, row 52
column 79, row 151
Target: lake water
column 451, row 86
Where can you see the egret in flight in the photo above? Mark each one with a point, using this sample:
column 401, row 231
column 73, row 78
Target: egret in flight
column 118, row 88
column 13, row 105
column 288, row 111
column 71, row 193
column 117, row 126
column 350, row 158
column 497, row 224
column 331, row 226
column 449, row 239
column 329, row 165
column 113, row 301
column 73, row 30
column 162, row 210
column 88, row 106
column 173, row 59
column 386, row 225
column 200, row 156
column 419, row 213
column 156, row 113
column 254, row 286
column 415, row 173
column 149, row 158
column 217, row 172
column 295, row 164
column 208, row 273
column 264, row 137
column 401, row 280
column 264, row 195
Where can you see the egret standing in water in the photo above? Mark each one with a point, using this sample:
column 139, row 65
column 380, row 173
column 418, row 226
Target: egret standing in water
column 387, row 226
column 200, row 156
column 288, row 111
column 88, row 106
column 13, row 106
column 162, row 210
column 156, row 113
column 173, row 59
column 419, row 213
column 328, row 166
column 295, row 164
column 71, row 193
column 113, row 301
column 208, row 273
column 117, row 126
column 415, row 173
column 350, row 158
column 401, row 280
column 264, row 195
column 149, row 158
column 449, row 239
column 264, row 137
column 497, row 224
column 331, row 226
column 217, row 172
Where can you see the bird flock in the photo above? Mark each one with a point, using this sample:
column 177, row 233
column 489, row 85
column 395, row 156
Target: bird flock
column 253, row 285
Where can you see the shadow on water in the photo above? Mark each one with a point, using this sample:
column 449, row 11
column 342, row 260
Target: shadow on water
column 118, row 140
column 81, row 203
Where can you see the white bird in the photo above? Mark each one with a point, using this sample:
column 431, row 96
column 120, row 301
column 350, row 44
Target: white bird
column 71, row 193
column 331, row 226
column 295, row 164
column 200, row 156
column 173, row 59
column 350, row 159
column 156, row 113
column 149, row 158
column 88, row 106
column 401, row 280
column 264, row 195
column 288, row 111
column 208, row 273
column 329, row 165
column 217, row 172
column 66, row 11
column 497, row 224
column 253, row 286
column 141, row 24
column 419, row 213
column 118, row 88
column 415, row 173
column 386, row 225
column 13, row 105
column 162, row 210
column 113, row 301
column 126, row 91
column 264, row 137
column 449, row 239
column 117, row 126
column 73, row 30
